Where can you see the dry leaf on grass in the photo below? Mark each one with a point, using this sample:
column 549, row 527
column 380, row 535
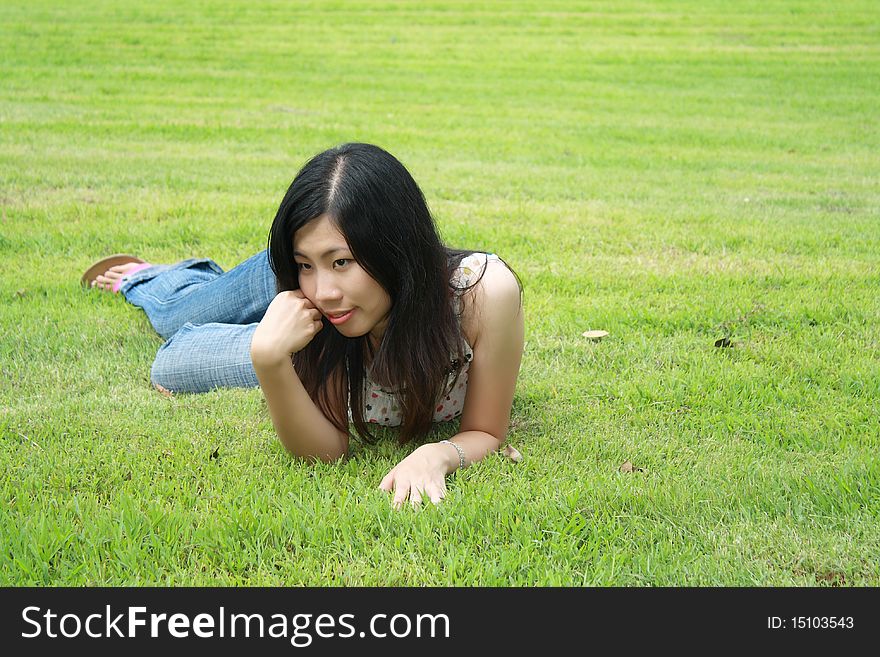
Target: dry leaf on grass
column 595, row 335
column 512, row 453
column 626, row 466
column 723, row 342
column 163, row 391
column 832, row 578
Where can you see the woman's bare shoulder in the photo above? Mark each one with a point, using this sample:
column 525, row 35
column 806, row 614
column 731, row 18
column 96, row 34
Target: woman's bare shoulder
column 495, row 299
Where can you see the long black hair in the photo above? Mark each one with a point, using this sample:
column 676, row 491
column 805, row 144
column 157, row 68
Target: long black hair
column 380, row 210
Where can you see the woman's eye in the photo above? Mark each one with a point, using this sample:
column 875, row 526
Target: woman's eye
column 301, row 266
column 341, row 262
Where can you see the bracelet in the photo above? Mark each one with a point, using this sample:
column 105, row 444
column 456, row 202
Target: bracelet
column 457, row 449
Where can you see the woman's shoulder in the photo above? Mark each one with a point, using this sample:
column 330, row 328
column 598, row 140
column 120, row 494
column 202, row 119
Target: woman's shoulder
column 475, row 267
column 489, row 290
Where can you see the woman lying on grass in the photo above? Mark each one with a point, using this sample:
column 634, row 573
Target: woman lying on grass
column 356, row 313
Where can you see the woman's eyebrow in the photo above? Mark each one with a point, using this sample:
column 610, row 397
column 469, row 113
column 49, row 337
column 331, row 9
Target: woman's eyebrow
column 323, row 255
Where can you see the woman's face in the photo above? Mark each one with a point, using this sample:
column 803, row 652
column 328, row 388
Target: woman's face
column 336, row 284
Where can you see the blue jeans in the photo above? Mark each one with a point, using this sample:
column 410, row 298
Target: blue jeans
column 207, row 317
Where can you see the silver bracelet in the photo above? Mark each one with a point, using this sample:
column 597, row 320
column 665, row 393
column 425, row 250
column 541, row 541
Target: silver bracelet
column 457, row 449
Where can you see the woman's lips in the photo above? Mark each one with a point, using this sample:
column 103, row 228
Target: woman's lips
column 336, row 319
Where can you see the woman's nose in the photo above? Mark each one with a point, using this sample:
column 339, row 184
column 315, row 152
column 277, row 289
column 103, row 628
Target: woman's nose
column 326, row 288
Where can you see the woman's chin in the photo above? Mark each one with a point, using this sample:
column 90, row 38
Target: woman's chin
column 350, row 332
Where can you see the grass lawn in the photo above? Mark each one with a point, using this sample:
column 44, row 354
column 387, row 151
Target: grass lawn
column 671, row 172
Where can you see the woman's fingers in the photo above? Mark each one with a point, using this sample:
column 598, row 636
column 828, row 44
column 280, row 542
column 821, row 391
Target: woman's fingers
column 413, row 486
column 316, row 318
column 415, row 496
column 401, row 492
column 387, row 482
column 435, row 493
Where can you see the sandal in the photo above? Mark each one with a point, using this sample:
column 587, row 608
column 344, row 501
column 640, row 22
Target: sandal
column 98, row 268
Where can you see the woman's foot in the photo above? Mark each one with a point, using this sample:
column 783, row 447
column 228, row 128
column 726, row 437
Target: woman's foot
column 110, row 279
column 107, row 273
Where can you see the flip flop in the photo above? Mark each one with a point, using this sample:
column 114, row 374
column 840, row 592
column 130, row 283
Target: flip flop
column 104, row 264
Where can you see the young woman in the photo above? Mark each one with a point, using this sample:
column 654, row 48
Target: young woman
column 356, row 313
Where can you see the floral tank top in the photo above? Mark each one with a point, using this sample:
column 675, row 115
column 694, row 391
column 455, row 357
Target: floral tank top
column 382, row 407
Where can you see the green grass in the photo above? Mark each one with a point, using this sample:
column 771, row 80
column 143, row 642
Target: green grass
column 671, row 172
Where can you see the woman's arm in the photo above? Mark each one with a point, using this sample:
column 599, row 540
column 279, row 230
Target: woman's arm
column 495, row 319
column 289, row 324
column 493, row 322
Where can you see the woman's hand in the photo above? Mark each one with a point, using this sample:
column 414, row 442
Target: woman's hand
column 290, row 323
column 422, row 473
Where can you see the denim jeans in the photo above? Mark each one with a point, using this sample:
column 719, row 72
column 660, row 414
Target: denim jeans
column 207, row 317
